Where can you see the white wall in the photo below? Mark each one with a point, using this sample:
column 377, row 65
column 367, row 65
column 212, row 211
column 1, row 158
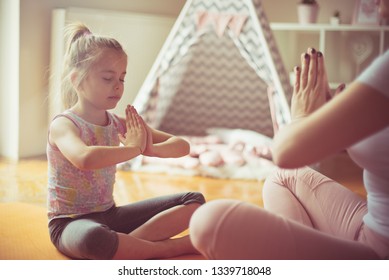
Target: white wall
column 285, row 10
column 24, row 134
column 141, row 36
column 9, row 78
column 24, row 112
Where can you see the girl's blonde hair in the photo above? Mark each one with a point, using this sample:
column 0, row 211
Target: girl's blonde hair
column 82, row 48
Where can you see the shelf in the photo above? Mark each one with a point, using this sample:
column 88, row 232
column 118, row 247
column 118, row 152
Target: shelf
column 348, row 48
column 326, row 27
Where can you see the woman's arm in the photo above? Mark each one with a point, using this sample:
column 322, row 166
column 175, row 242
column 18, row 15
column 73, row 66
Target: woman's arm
column 356, row 113
column 320, row 130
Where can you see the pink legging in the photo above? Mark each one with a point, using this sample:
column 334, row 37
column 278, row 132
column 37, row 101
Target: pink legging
column 306, row 216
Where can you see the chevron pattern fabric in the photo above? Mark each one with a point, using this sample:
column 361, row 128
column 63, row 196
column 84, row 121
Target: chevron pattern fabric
column 206, row 81
column 211, row 87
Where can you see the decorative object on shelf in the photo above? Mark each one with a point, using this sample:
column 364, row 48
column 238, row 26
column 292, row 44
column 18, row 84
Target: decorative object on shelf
column 335, row 19
column 307, row 11
column 361, row 48
column 366, row 12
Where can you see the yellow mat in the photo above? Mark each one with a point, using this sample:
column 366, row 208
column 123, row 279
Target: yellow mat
column 24, row 234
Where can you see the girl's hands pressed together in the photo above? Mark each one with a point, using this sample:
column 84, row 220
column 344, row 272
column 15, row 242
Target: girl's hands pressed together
column 151, row 142
column 149, row 150
column 136, row 135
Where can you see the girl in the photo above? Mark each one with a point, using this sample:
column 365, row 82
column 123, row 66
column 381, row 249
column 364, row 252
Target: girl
column 83, row 149
column 309, row 216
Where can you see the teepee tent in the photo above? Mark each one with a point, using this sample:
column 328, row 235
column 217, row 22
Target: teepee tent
column 218, row 68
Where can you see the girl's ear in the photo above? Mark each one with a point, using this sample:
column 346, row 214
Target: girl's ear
column 74, row 79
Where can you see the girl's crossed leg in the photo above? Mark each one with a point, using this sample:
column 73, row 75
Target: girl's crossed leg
column 140, row 230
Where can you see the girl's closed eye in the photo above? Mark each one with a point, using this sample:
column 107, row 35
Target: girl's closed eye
column 108, row 79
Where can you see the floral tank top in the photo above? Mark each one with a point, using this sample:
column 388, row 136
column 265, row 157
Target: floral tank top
column 73, row 192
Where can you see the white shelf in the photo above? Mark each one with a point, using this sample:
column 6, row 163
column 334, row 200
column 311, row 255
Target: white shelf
column 335, row 41
column 326, row 27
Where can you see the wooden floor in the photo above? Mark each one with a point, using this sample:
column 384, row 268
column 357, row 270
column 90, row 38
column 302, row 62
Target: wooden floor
column 25, row 181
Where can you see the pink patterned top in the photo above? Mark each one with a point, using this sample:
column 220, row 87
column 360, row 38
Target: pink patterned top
column 73, row 192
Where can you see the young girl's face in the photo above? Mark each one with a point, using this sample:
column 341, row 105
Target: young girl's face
column 103, row 85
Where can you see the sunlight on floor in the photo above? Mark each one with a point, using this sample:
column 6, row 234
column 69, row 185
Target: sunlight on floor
column 26, row 181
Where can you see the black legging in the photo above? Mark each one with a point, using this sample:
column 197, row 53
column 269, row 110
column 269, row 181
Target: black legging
column 93, row 236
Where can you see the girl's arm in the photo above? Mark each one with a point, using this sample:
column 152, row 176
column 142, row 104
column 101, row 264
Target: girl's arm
column 354, row 114
column 65, row 136
column 164, row 145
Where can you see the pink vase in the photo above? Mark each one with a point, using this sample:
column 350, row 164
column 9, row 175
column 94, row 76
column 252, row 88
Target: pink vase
column 307, row 13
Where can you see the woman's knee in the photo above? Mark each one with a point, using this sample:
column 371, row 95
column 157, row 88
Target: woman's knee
column 275, row 179
column 287, row 178
column 206, row 221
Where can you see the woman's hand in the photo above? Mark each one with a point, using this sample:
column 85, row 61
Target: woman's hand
column 311, row 89
column 136, row 134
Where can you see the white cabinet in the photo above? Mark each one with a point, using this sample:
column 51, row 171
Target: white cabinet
column 348, row 49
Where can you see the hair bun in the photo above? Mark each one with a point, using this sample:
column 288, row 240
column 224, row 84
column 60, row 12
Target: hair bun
column 87, row 32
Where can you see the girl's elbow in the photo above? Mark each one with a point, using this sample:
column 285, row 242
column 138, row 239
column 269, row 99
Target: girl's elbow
column 83, row 162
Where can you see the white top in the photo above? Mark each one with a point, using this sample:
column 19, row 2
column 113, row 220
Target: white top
column 372, row 154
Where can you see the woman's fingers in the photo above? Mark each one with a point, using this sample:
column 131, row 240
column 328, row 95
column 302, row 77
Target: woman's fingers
column 304, row 70
column 339, row 89
column 297, row 72
column 312, row 68
column 309, row 69
column 322, row 86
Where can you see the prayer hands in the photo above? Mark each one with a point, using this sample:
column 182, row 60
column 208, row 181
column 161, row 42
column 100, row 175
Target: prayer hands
column 136, row 135
column 149, row 142
column 311, row 89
